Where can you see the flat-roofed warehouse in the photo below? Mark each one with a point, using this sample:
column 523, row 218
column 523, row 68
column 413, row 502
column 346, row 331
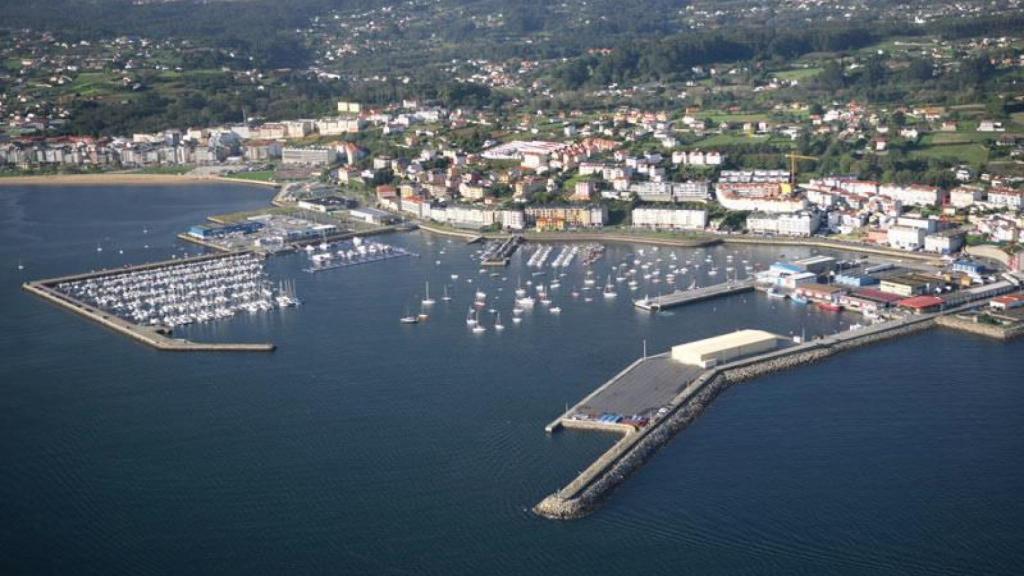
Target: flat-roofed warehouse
column 720, row 349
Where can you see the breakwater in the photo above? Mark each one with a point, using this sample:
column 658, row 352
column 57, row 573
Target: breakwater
column 585, row 493
column 155, row 336
column 971, row 326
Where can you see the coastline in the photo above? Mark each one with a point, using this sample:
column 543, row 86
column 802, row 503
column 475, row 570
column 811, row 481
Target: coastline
column 708, row 240
column 122, row 179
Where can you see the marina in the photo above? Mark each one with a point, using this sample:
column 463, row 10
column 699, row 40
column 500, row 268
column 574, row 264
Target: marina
column 146, row 302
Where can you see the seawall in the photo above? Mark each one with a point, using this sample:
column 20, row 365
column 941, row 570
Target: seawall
column 981, row 329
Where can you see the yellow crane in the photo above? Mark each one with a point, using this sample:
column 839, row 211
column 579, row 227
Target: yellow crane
column 793, row 157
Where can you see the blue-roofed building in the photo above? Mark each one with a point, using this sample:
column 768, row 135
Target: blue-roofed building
column 972, row 268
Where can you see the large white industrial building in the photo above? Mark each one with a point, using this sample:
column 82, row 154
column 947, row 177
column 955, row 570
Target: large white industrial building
column 721, row 349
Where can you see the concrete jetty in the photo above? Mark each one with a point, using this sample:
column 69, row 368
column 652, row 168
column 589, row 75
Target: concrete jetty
column 681, row 297
column 501, row 255
column 696, row 391
column 157, row 337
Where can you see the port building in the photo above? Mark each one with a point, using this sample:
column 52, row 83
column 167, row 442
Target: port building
column 726, row 347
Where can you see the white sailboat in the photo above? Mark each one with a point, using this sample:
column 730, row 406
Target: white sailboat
column 478, row 328
column 497, row 322
column 427, row 300
column 446, row 297
column 408, row 318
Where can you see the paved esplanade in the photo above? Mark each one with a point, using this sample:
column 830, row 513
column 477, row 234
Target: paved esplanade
column 646, row 386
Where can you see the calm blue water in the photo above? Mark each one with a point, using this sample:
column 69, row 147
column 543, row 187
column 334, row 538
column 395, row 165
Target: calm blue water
column 363, row 445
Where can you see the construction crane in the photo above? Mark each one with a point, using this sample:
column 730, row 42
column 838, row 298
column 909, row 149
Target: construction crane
column 793, row 157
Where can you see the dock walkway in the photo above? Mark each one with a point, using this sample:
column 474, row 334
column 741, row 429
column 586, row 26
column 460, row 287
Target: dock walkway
column 681, row 297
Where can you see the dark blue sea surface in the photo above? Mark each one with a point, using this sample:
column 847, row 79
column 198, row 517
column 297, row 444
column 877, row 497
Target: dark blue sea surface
column 366, row 446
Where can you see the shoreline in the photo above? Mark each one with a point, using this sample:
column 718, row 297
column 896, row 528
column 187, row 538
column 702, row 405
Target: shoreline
column 709, row 240
column 123, row 179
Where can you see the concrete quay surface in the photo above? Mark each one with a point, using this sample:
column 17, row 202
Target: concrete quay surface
column 153, row 336
column 680, row 297
column 584, row 493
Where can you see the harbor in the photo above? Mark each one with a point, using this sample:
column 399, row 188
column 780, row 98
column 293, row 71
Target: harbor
column 345, row 366
column 695, row 386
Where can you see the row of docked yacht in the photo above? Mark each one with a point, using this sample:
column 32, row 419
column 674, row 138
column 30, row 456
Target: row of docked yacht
column 565, row 257
column 538, row 258
column 356, row 251
column 184, row 293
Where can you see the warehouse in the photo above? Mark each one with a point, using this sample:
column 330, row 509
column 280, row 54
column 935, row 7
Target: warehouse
column 326, row 204
column 201, row 231
column 727, row 347
column 817, row 264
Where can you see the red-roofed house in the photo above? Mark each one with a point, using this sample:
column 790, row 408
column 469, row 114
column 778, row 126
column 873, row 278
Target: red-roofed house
column 922, row 304
column 869, row 300
column 1007, row 302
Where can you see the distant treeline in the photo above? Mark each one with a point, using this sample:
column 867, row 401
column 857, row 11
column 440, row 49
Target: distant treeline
column 263, row 28
column 673, row 57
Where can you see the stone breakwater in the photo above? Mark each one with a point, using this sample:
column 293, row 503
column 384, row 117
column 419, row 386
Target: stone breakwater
column 585, row 493
column 981, row 329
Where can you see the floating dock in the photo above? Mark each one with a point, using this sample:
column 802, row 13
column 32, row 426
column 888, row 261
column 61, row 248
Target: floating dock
column 368, row 259
column 155, row 336
column 681, row 297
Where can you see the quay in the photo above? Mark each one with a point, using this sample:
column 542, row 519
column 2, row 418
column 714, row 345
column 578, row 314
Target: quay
column 681, row 297
column 675, row 397
column 155, row 336
column 501, row 255
column 294, row 245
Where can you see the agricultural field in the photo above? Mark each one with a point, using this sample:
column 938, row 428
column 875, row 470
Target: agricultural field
column 967, row 153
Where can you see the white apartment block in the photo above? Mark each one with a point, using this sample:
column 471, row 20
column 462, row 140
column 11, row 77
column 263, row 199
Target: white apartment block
column 794, row 224
column 669, row 218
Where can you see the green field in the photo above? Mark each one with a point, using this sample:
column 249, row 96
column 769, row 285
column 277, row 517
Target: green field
column 719, row 117
column 799, row 74
column 258, row 175
column 93, row 84
column 727, row 140
column 165, row 170
column 973, row 154
column 947, row 138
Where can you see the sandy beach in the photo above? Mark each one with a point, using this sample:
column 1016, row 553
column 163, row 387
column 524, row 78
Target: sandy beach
column 121, row 178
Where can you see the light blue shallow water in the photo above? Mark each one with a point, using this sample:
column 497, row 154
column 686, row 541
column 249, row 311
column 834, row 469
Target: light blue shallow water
column 362, row 445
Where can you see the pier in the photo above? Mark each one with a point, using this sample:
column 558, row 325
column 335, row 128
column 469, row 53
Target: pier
column 502, row 253
column 159, row 337
column 689, row 392
column 681, row 297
